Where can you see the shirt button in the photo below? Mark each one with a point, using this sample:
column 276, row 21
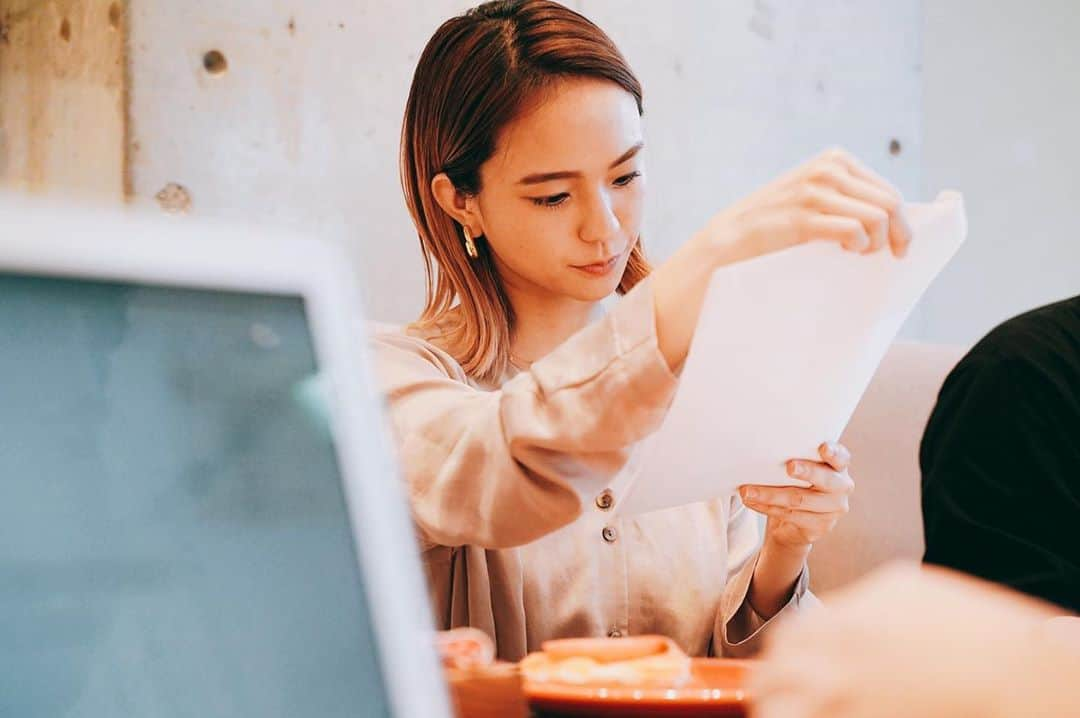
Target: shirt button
column 609, row 534
column 605, row 501
column 614, row 633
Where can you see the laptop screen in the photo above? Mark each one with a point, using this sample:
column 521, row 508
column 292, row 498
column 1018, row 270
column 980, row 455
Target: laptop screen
column 174, row 537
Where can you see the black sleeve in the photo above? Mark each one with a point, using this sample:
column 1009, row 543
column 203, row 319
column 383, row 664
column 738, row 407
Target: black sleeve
column 1001, row 479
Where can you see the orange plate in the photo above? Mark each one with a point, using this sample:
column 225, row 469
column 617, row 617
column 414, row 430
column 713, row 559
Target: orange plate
column 717, row 687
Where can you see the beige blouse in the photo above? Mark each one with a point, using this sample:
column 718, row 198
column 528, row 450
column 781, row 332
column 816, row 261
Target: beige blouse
column 505, row 486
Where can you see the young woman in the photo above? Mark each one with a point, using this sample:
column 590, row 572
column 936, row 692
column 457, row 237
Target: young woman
column 513, row 400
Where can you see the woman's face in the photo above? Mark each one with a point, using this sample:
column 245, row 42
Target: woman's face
column 561, row 198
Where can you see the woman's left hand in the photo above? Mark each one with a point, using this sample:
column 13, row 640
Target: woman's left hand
column 798, row 517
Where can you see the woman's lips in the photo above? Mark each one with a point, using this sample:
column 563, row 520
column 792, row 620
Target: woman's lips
column 599, row 269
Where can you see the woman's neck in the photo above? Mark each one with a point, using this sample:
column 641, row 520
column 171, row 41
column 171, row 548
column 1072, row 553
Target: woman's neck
column 541, row 324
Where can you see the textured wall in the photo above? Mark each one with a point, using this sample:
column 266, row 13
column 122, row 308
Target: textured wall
column 302, row 127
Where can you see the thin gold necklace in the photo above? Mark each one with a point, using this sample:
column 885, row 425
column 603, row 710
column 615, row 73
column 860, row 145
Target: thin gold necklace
column 518, row 362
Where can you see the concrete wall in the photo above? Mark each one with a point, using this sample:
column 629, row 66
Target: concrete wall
column 302, row 127
column 1002, row 122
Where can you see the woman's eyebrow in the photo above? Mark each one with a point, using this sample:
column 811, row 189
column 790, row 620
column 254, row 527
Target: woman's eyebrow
column 627, row 155
column 574, row 174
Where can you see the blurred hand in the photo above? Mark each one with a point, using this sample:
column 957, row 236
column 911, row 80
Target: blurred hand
column 798, row 517
column 909, row 641
column 833, row 197
column 1065, row 630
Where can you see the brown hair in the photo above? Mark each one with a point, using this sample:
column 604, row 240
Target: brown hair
column 476, row 74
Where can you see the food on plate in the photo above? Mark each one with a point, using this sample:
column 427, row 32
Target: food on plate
column 465, row 648
column 636, row 660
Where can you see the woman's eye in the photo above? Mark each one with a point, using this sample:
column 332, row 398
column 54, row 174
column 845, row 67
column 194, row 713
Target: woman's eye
column 627, row 179
column 553, row 200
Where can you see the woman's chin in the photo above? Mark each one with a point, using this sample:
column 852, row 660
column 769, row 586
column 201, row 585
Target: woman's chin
column 594, row 290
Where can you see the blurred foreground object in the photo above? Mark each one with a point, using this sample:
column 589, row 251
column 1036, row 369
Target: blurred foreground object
column 920, row 641
column 479, row 686
column 638, row 660
column 646, row 675
column 465, row 648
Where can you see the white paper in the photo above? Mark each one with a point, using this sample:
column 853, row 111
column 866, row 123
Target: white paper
column 784, row 349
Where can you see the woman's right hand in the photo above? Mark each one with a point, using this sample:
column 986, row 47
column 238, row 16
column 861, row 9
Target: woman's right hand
column 833, row 197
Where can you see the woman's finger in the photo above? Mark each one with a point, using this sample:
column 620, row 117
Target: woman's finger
column 822, row 477
column 790, row 497
column 899, row 234
column 874, row 219
column 853, row 165
column 835, row 455
column 899, row 229
column 841, row 178
column 846, row 231
column 807, row 521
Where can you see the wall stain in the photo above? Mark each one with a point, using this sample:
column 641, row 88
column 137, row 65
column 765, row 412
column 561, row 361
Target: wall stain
column 761, row 22
column 174, row 198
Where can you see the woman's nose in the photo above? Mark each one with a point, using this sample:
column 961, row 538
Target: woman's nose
column 600, row 222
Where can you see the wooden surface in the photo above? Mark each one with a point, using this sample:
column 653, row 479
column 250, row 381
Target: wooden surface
column 62, row 96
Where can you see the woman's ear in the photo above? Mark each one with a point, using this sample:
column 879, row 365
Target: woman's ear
column 457, row 204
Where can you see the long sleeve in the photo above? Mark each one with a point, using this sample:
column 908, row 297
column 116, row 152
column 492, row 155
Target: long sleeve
column 739, row 630
column 502, row 468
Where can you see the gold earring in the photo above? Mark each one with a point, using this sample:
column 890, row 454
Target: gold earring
column 470, row 245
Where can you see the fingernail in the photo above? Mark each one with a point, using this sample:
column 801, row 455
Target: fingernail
column 796, row 469
column 751, row 494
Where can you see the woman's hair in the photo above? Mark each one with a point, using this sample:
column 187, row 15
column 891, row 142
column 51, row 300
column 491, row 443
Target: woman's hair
column 478, row 73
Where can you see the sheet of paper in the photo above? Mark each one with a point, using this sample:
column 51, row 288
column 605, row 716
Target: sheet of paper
column 785, row 347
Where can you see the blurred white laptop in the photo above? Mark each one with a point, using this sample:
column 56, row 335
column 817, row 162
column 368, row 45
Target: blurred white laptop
column 189, row 526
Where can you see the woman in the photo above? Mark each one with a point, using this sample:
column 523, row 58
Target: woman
column 513, row 402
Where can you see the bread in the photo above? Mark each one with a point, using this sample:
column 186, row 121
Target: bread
column 637, row 660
